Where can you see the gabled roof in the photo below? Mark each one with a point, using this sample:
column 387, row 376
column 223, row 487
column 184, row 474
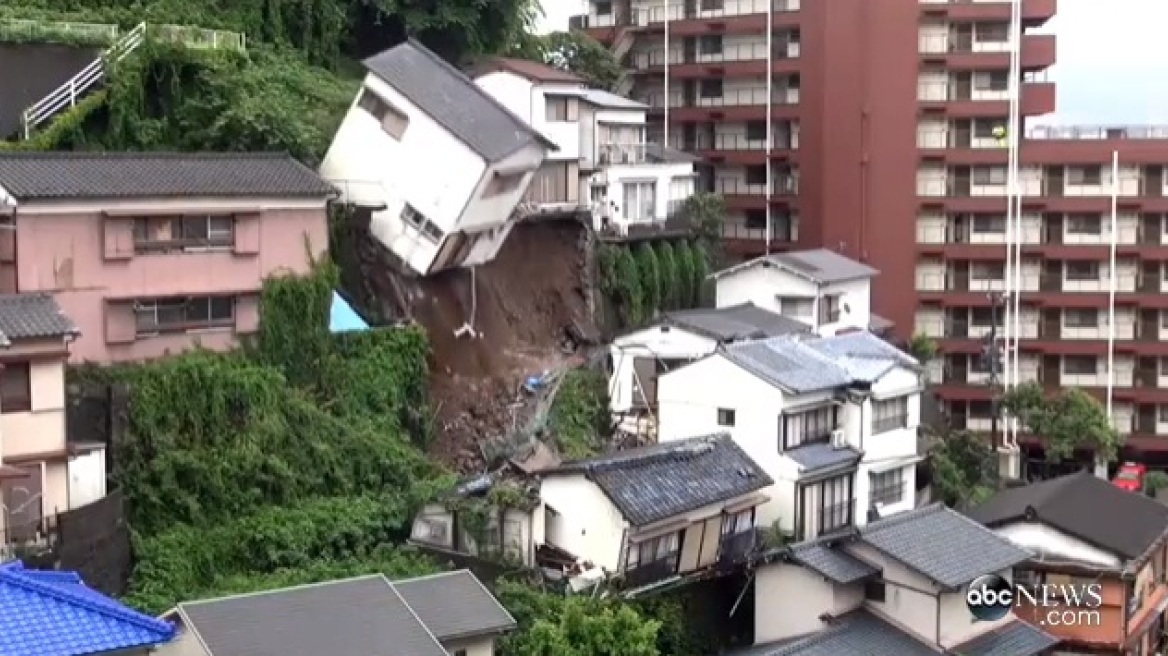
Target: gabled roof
column 361, row 616
column 651, row 483
column 87, row 175
column 454, row 101
column 831, row 563
column 858, row 633
column 819, row 265
column 734, row 322
column 530, row 70
column 863, row 355
column 1083, row 506
column 609, row 100
column 54, row 614
column 1016, row 638
column 800, row 364
column 942, row 545
column 32, row 316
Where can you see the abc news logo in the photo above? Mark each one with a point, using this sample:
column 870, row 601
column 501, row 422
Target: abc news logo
column 992, row 597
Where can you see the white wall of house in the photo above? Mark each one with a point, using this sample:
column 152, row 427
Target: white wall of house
column 779, row 614
column 658, row 342
column 471, row 646
column 581, row 520
column 888, row 450
column 688, row 401
column 643, row 193
column 1050, row 542
column 766, row 286
column 528, row 100
column 438, row 175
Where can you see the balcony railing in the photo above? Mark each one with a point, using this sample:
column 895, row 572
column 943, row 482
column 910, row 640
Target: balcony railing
column 1084, row 132
column 729, row 53
column 735, row 548
column 943, row 43
column 952, row 91
column 618, row 153
column 730, row 98
column 782, row 185
column 782, row 139
column 783, row 229
column 651, row 572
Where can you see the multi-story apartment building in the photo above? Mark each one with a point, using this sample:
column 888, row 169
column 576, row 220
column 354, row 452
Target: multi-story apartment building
column 894, row 118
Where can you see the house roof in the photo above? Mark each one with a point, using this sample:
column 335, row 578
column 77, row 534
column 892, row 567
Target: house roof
column 812, row 364
column 454, row 101
column 608, row 100
column 819, row 265
column 735, row 322
column 833, row 564
column 651, row 483
column 1083, row 506
column 863, row 355
column 942, row 544
column 858, row 633
column 821, row 458
column 1016, row 638
column 362, row 616
column 531, row 70
column 55, row 614
column 87, row 175
column 32, row 316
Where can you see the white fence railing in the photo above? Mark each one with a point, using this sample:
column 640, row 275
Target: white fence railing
column 42, row 30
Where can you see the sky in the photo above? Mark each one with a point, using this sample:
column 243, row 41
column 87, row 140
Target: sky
column 1112, row 59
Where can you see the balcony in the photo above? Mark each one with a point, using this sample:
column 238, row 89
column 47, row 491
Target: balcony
column 743, row 195
column 743, row 149
column 676, row 224
column 732, row 61
column 737, row 547
column 1034, row 12
column 748, row 240
column 962, row 100
column 658, row 570
column 963, row 52
column 617, row 154
column 729, row 16
column 732, row 105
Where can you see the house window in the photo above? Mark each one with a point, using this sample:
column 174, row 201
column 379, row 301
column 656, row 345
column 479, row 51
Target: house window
column 1082, row 270
column 656, row 550
column 874, row 591
column 183, row 314
column 15, row 387
column 1085, row 224
column 393, row 121
column 796, row 308
column 989, row 224
column 756, row 131
column 503, row 184
column 188, row 233
column 711, row 88
column 710, row 44
column 560, row 109
column 551, row 183
column 829, row 309
column 887, row 488
column 1081, row 318
column 604, row 8
column 1085, row 175
column 419, row 222
column 835, row 503
column 1080, row 365
column 640, row 201
column 726, row 417
column 889, row 415
column 806, row 427
column 737, row 523
column 989, row 175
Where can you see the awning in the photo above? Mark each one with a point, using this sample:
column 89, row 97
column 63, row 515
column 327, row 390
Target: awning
column 343, row 318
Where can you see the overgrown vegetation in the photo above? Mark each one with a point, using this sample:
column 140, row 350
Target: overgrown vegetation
column 579, row 420
column 965, row 468
column 643, row 280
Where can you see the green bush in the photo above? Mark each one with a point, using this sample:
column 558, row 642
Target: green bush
column 579, row 417
column 651, row 283
column 671, row 287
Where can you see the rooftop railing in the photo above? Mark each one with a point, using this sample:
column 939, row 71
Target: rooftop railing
column 1098, row 132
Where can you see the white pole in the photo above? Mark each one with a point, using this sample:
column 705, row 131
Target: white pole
column 668, row 59
column 770, row 90
column 1014, row 132
column 1112, row 282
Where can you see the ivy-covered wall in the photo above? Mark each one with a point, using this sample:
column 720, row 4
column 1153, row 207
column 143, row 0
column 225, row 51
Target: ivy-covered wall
column 639, row 281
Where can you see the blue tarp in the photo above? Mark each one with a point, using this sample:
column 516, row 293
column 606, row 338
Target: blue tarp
column 343, row 318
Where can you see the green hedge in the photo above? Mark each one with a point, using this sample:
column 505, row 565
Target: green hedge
column 640, row 281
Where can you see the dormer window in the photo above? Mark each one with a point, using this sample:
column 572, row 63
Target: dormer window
column 392, row 120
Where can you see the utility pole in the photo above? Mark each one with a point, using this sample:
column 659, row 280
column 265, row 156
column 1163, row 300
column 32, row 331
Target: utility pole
column 991, row 355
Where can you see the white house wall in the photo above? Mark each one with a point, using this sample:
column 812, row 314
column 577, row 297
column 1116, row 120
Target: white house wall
column 883, row 450
column 766, row 285
column 789, row 601
column 529, row 101
column 650, row 342
column 620, row 116
column 514, row 92
column 483, row 212
column 1055, row 545
column 585, row 523
column 688, row 400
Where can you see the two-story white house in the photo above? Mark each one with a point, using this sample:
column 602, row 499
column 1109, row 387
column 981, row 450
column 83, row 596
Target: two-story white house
column 833, row 420
column 895, row 587
column 440, row 164
column 604, row 164
column 656, row 514
column 826, row 290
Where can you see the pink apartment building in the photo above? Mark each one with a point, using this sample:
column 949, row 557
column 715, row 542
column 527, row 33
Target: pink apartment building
column 152, row 253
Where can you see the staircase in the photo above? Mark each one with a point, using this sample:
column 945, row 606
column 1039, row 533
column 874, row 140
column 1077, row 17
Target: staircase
column 66, row 96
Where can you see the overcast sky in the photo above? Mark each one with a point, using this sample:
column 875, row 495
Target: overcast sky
column 1112, row 54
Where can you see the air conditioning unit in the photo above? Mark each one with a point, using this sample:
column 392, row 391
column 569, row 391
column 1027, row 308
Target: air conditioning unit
column 838, row 439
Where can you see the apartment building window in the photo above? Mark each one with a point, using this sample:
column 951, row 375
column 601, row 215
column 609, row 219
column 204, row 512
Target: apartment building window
column 987, row 271
column 711, row 88
column 756, row 175
column 807, row 427
column 889, row 414
column 186, row 233
column 756, row 131
column 15, row 387
column 989, row 175
column 988, row 224
column 980, row 410
column 710, row 44
column 993, row 32
column 712, row 5
column 1081, row 318
column 603, row 7
column 1085, row 224
column 995, row 81
column 982, row 317
column 1082, row 270
column 419, row 222
column 182, row 314
column 829, row 309
column 984, row 129
column 756, row 219
column 1085, row 175
column 393, row 121
column 503, row 184
column 887, row 488
column 656, row 550
column 1080, row 365
column 640, row 201
column 726, row 417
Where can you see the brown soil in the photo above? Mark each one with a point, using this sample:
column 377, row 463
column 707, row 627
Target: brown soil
column 527, row 297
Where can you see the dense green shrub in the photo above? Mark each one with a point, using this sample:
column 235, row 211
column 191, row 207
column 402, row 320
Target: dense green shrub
column 579, row 417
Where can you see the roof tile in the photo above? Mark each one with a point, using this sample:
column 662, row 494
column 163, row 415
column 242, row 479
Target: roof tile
column 834, row 564
column 454, row 605
column 858, row 633
column 32, row 316
column 1014, row 639
column 820, row 457
column 735, row 322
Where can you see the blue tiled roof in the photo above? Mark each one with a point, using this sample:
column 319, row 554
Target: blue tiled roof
column 55, row 614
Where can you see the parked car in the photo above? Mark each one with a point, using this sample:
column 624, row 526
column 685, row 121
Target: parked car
column 1131, row 476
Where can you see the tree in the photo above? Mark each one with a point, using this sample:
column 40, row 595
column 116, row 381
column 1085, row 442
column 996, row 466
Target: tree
column 965, row 468
column 630, row 295
column 651, row 282
column 555, row 625
column 923, row 348
column 578, row 53
column 1071, row 419
column 684, row 259
column 671, row 286
column 699, row 269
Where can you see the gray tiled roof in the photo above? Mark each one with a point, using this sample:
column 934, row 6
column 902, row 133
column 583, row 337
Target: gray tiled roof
column 942, row 544
column 61, row 175
column 863, row 355
column 735, row 322
column 454, row 605
column 355, row 617
column 1014, row 639
column 858, row 633
column 652, row 483
column 454, row 101
column 831, row 563
column 821, row 457
column 788, row 363
column 1085, row 506
column 32, row 316
column 823, row 265
column 602, row 98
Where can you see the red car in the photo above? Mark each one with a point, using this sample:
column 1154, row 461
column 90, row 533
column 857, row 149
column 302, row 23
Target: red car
column 1131, row 476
